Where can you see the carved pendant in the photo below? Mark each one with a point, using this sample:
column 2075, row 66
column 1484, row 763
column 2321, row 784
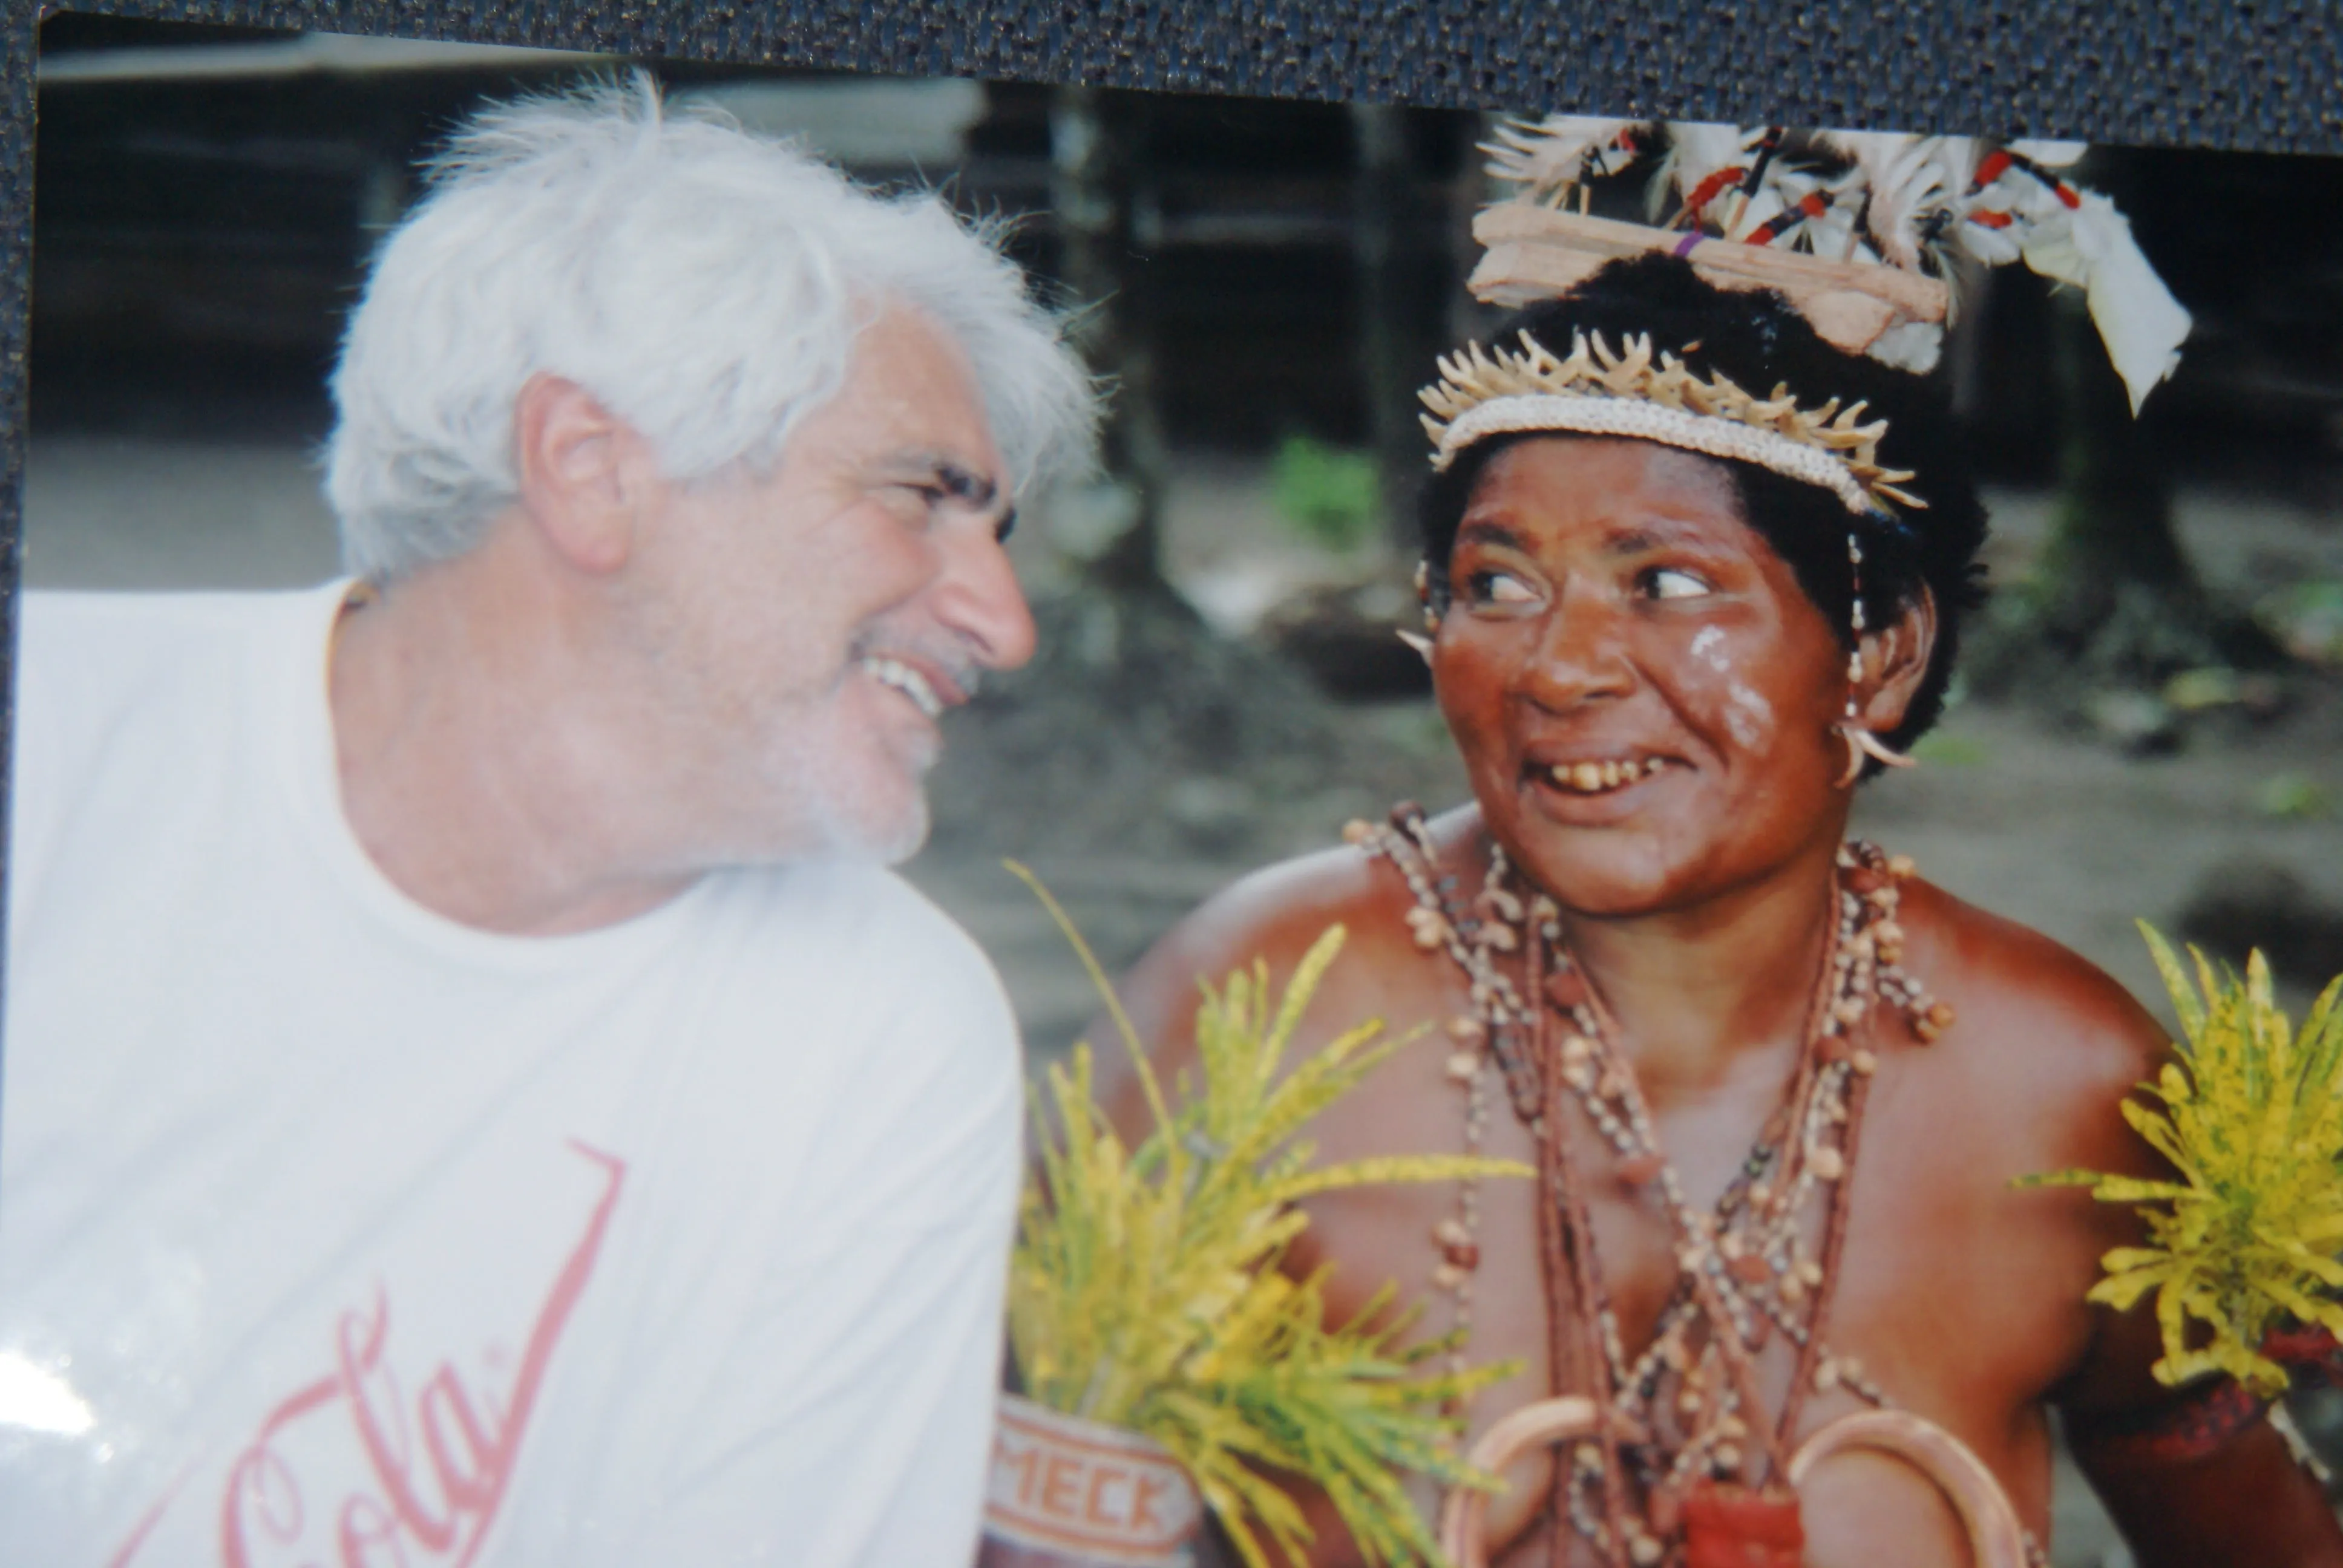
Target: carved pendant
column 1731, row 1526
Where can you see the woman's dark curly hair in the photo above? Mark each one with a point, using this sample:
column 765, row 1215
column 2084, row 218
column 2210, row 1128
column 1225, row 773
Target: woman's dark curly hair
column 1757, row 339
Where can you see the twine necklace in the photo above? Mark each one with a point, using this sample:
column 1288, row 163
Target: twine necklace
column 1683, row 1421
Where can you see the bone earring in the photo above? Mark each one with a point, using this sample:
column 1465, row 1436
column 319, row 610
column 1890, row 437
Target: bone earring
column 1861, row 742
column 1854, row 756
column 1422, row 641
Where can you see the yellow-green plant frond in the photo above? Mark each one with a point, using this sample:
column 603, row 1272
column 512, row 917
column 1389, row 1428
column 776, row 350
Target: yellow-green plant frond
column 1339, row 1406
column 2251, row 1116
column 1393, row 1168
column 1147, row 1289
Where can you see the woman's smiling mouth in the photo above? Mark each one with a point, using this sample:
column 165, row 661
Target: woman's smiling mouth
column 1590, row 776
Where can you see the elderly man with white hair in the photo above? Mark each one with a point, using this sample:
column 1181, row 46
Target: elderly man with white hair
column 473, row 1092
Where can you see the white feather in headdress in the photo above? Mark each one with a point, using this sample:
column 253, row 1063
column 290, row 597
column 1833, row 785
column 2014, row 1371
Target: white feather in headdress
column 1698, row 150
column 1782, row 186
column 1900, row 201
column 1898, row 194
column 2077, row 237
column 2140, row 322
column 2006, row 212
column 2050, row 155
column 1915, row 346
column 1549, row 158
column 1833, row 234
column 1764, row 206
column 1906, row 186
column 2033, row 198
column 1957, row 157
column 1994, row 235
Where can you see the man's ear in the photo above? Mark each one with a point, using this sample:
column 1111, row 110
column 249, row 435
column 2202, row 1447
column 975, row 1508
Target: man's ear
column 1895, row 662
column 584, row 473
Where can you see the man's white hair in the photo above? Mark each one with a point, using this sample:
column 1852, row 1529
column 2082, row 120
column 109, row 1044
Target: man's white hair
column 703, row 284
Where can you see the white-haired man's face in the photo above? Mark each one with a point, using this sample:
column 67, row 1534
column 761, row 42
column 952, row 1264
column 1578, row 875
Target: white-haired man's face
column 809, row 627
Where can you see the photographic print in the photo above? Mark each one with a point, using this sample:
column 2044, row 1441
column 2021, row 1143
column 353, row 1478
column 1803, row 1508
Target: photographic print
column 1530, row 542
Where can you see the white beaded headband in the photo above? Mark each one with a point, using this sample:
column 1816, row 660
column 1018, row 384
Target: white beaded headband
column 1596, row 392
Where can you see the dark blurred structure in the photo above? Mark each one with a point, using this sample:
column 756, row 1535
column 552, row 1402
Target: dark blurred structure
column 206, row 198
column 2252, row 904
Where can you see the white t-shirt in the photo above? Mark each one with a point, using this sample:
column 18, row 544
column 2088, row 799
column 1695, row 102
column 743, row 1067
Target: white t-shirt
column 334, row 1231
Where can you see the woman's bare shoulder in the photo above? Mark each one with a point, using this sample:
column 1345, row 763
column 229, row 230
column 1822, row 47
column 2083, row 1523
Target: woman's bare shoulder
column 1272, row 917
column 2059, row 1039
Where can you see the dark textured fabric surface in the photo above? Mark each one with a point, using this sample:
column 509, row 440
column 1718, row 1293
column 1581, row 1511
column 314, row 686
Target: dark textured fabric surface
column 2254, row 77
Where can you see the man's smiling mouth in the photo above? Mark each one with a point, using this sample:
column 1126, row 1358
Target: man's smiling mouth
column 895, row 673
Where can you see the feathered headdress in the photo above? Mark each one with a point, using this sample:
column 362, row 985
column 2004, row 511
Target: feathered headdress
column 1552, row 157
column 1859, row 229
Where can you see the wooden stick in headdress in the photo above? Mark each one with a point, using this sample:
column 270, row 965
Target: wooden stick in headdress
column 1535, row 253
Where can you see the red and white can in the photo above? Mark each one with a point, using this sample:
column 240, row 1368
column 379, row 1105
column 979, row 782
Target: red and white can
column 1066, row 1490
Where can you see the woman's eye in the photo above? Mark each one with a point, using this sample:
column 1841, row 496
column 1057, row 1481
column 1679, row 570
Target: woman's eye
column 1665, row 582
column 1497, row 588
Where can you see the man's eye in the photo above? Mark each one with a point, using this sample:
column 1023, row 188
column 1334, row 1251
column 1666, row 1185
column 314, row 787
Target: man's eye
column 1497, row 588
column 920, row 501
column 1665, row 582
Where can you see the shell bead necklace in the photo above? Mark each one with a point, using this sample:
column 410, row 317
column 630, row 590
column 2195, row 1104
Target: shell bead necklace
column 1685, row 1417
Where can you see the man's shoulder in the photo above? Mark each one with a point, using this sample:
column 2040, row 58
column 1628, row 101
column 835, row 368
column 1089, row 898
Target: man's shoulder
column 862, row 905
column 138, row 619
column 849, row 983
column 860, row 929
column 86, row 648
column 145, row 692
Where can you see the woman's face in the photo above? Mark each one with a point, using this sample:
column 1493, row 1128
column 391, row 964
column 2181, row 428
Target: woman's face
column 1644, row 698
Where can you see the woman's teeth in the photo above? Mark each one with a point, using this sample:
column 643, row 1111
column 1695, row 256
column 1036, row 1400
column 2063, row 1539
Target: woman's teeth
column 1594, row 778
column 907, row 680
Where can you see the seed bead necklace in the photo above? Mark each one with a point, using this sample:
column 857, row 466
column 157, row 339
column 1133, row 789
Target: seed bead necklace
column 1684, row 1418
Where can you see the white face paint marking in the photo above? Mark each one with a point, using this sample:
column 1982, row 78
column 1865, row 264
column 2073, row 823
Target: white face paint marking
column 1704, row 649
column 1749, row 717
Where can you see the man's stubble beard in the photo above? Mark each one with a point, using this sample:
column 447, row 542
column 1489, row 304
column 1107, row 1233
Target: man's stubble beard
column 843, row 834
column 822, row 778
column 809, row 792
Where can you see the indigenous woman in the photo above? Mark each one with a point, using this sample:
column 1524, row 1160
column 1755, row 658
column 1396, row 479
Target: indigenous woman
column 1778, row 1087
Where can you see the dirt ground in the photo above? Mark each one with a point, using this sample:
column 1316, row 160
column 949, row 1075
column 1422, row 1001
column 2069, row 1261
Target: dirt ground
column 1146, row 758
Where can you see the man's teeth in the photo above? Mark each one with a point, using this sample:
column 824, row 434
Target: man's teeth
column 1594, row 778
column 909, row 681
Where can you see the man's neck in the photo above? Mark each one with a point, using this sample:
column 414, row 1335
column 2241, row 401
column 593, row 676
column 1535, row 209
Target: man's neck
column 478, row 768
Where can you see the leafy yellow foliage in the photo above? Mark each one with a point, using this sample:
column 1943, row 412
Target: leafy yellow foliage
column 1146, row 1292
column 2252, row 1121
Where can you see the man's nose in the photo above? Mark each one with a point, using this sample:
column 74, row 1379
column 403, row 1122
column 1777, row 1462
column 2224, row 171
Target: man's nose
column 977, row 597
